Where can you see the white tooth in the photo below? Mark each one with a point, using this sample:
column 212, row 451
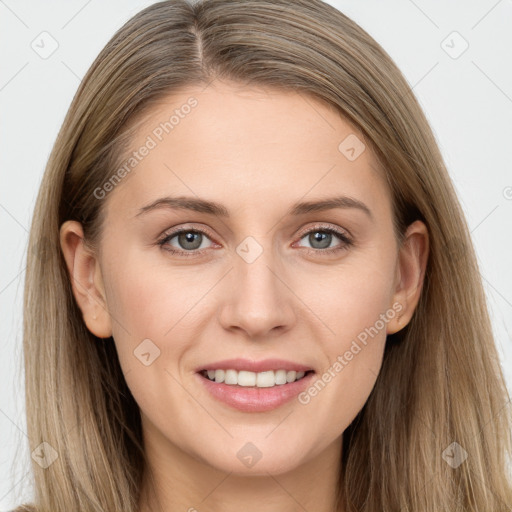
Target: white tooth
column 291, row 375
column 265, row 379
column 281, row 377
column 246, row 378
column 231, row 377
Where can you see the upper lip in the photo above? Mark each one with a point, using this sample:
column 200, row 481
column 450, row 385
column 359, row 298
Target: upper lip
column 255, row 366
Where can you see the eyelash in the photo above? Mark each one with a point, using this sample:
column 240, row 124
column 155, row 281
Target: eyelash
column 347, row 242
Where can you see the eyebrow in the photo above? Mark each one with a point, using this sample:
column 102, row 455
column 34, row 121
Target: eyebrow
column 217, row 209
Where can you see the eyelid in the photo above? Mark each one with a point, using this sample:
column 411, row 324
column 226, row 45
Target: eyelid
column 325, row 226
column 184, row 227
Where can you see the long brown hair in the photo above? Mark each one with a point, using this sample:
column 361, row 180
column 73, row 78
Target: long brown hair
column 440, row 382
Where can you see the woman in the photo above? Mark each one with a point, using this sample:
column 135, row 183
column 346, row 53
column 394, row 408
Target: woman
column 248, row 370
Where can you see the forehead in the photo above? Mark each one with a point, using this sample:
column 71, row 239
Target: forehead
column 247, row 147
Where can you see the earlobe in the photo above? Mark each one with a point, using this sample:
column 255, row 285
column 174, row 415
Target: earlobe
column 411, row 268
column 86, row 279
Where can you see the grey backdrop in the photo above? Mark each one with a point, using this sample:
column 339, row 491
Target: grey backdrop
column 457, row 57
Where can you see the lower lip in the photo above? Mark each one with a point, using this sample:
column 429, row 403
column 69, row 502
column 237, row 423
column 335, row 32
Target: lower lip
column 252, row 399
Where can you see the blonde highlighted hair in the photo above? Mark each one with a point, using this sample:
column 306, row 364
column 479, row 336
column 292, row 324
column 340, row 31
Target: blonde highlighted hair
column 440, row 381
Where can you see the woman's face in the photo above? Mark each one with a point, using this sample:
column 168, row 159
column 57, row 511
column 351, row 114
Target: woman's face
column 261, row 276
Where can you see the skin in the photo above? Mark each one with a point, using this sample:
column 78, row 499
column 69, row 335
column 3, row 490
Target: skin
column 257, row 152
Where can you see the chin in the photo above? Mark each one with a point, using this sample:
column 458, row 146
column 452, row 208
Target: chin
column 249, row 460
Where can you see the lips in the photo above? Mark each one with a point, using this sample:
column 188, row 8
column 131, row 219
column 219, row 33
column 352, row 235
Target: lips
column 254, row 386
column 254, row 399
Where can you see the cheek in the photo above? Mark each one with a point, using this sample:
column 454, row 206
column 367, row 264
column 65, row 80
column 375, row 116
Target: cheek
column 156, row 302
column 354, row 296
column 356, row 305
column 149, row 298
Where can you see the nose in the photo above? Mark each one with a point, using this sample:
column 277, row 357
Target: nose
column 257, row 299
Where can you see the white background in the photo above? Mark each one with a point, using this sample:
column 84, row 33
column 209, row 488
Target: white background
column 468, row 101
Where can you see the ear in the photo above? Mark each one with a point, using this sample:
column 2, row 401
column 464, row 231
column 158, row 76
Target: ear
column 86, row 280
column 410, row 273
